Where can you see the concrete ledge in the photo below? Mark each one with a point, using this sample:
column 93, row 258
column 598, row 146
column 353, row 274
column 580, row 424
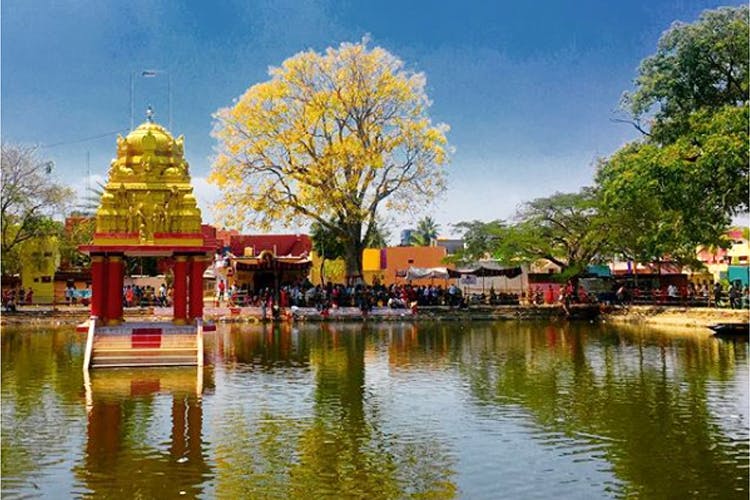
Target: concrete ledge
column 698, row 317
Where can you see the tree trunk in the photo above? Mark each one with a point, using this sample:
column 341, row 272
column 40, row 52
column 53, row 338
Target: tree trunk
column 353, row 253
column 353, row 259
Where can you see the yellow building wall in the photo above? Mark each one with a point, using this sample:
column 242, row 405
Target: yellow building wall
column 41, row 257
column 334, row 270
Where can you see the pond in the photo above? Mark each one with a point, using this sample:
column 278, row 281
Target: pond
column 393, row 410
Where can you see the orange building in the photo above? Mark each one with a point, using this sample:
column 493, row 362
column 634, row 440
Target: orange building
column 386, row 264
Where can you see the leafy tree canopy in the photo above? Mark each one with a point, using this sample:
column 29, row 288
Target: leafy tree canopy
column 666, row 200
column 480, row 240
column 565, row 229
column 332, row 138
column 426, row 232
column 696, row 66
column 681, row 184
column 29, row 198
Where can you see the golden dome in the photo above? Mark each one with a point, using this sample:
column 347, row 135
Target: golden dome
column 149, row 136
column 148, row 195
column 149, row 154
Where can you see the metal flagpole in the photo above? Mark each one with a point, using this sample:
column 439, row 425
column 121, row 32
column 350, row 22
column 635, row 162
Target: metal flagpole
column 169, row 98
column 132, row 97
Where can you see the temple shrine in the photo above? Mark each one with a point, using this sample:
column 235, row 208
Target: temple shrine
column 147, row 209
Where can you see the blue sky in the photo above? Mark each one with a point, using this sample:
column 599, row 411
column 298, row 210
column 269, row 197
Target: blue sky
column 528, row 88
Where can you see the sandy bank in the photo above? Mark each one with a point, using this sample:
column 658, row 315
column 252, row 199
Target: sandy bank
column 695, row 317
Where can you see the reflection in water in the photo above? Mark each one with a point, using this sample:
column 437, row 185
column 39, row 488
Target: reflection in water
column 643, row 407
column 337, row 449
column 383, row 411
column 139, row 443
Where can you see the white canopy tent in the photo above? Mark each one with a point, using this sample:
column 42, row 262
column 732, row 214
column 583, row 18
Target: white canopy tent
column 415, row 273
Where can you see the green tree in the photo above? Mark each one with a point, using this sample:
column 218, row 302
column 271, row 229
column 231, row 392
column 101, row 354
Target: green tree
column 666, row 200
column 564, row 229
column 29, row 198
column 696, row 66
column 480, row 240
column 681, row 184
column 335, row 138
column 426, row 232
column 73, row 235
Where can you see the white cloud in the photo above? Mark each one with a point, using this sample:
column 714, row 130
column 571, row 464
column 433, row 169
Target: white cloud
column 207, row 195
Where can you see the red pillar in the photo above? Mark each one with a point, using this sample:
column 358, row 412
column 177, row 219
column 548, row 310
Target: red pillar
column 115, row 277
column 179, row 297
column 198, row 265
column 98, row 287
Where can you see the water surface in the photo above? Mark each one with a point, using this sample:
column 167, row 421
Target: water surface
column 480, row 410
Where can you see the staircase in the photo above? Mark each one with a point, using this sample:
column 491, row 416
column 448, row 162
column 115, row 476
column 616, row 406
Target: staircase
column 143, row 345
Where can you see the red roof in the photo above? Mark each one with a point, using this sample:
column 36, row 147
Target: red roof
column 281, row 244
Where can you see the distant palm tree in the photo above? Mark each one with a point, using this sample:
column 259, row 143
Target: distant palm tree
column 426, row 232
column 90, row 202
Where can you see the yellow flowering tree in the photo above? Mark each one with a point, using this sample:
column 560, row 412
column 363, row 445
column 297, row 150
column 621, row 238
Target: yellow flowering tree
column 332, row 138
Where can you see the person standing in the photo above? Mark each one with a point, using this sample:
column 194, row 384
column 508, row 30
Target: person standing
column 220, row 287
column 717, row 295
column 163, row 295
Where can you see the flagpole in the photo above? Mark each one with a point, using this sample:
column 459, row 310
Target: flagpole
column 169, row 98
column 132, row 91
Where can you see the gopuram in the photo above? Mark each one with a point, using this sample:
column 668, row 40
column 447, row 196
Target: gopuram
column 148, row 209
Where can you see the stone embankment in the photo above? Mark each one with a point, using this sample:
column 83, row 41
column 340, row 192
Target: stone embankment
column 651, row 315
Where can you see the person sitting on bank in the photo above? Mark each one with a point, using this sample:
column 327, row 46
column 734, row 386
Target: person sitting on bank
column 9, row 300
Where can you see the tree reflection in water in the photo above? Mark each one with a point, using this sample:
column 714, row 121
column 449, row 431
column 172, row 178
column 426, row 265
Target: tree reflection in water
column 327, row 411
column 628, row 392
column 337, row 451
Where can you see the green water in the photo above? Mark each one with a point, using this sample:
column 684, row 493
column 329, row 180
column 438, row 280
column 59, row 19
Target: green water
column 482, row 410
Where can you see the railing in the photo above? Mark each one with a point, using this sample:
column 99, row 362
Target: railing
column 199, row 340
column 89, row 345
column 649, row 298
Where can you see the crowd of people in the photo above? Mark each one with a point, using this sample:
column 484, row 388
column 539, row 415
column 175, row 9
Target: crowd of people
column 733, row 295
column 402, row 296
column 138, row 296
column 14, row 297
column 364, row 297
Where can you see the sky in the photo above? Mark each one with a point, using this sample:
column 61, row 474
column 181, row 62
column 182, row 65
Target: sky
column 529, row 89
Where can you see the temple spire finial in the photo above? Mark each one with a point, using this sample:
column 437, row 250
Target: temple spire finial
column 150, row 114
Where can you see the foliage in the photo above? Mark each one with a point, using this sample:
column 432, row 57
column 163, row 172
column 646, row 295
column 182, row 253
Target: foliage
column 480, row 240
column 680, row 186
column 71, row 236
column 328, row 245
column 333, row 138
column 565, row 229
column 28, row 200
column 91, row 201
column 426, row 232
column 325, row 243
column 696, row 66
column 666, row 200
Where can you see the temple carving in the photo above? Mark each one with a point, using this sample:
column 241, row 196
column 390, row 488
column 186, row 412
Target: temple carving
column 148, row 198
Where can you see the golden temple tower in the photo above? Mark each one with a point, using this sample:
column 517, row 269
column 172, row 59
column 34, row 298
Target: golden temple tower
column 148, row 198
column 148, row 209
